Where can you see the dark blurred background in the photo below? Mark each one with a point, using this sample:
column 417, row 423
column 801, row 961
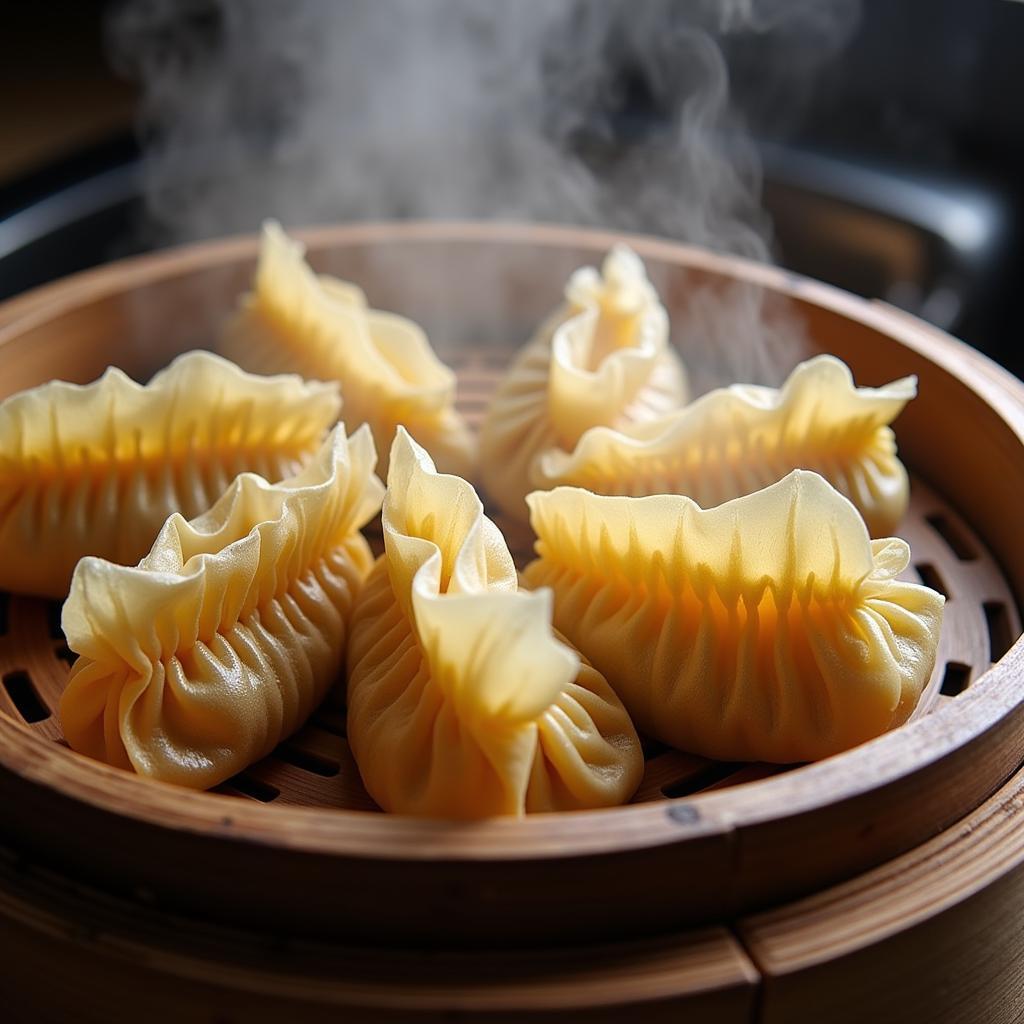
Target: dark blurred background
column 899, row 175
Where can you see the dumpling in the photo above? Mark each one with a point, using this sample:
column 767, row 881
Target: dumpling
column 462, row 703
column 738, row 439
column 320, row 327
column 223, row 640
column 770, row 628
column 97, row 469
column 603, row 359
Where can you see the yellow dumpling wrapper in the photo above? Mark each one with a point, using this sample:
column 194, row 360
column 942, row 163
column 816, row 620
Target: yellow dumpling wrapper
column 227, row 635
column 462, row 702
column 297, row 321
column 96, row 469
column 603, row 359
column 770, row 628
column 738, row 439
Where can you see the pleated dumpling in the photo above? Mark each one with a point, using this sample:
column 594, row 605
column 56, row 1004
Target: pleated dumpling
column 770, row 628
column 603, row 359
column 97, row 469
column 462, row 703
column 736, row 440
column 297, row 321
column 223, row 640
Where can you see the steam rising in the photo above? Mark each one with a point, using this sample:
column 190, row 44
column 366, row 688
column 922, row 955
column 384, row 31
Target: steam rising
column 613, row 113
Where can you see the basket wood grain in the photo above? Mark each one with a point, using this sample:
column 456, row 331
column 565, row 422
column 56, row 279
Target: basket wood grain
column 933, row 937
column 704, row 843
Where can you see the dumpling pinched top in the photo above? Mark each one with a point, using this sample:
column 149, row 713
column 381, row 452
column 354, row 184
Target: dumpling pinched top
column 295, row 320
column 603, row 359
column 770, row 628
column 222, row 641
column 462, row 703
column 97, row 469
column 736, row 440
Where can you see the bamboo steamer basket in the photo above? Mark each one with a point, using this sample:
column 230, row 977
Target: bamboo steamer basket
column 735, row 892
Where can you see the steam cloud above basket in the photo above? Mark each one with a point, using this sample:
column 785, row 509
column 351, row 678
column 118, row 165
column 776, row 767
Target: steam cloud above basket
column 604, row 113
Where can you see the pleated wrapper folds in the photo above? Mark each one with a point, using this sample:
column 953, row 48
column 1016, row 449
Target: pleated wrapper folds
column 462, row 702
column 738, row 439
column 96, row 469
column 770, row 628
column 297, row 321
column 603, row 359
column 223, row 640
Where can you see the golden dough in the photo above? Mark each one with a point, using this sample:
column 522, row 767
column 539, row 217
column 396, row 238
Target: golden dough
column 223, row 640
column 770, row 628
column 295, row 320
column 736, row 440
column 603, row 359
column 97, row 469
column 462, row 701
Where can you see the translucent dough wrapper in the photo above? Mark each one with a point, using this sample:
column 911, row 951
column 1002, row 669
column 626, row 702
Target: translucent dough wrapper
column 462, row 701
column 603, row 359
column 297, row 321
column 736, row 440
column 770, row 628
column 223, row 640
column 97, row 469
